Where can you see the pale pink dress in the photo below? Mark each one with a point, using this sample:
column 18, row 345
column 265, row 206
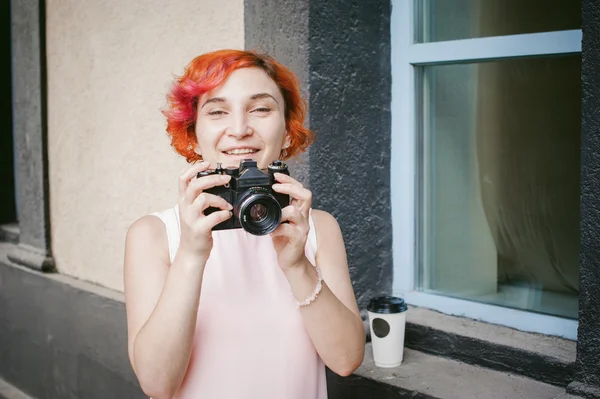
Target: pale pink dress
column 250, row 338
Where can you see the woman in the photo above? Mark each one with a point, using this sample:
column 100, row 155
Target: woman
column 227, row 314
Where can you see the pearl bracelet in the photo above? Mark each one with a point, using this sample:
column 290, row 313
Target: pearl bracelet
column 315, row 293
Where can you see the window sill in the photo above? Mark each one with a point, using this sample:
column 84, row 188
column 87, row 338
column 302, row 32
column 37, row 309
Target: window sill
column 516, row 319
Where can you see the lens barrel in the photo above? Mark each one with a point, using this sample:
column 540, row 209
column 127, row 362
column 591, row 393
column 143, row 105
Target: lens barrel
column 259, row 212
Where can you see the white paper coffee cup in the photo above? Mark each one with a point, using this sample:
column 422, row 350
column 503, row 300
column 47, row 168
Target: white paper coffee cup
column 387, row 320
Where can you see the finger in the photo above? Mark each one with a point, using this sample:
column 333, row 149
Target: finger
column 296, row 191
column 215, row 218
column 292, row 214
column 295, row 202
column 185, row 177
column 284, row 230
column 283, row 178
column 205, row 200
column 204, row 183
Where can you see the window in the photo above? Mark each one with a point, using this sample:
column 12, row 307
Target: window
column 485, row 171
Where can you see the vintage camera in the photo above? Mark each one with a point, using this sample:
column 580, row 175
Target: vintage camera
column 256, row 207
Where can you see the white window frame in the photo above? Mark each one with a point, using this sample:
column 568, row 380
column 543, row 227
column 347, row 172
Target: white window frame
column 406, row 56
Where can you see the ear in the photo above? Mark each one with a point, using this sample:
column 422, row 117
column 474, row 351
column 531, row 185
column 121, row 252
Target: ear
column 287, row 141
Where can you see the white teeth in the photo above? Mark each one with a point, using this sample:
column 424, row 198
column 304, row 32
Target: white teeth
column 240, row 151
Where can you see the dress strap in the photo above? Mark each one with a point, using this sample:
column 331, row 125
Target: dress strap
column 312, row 233
column 170, row 218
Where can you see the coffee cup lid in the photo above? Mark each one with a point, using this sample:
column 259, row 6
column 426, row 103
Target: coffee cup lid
column 387, row 304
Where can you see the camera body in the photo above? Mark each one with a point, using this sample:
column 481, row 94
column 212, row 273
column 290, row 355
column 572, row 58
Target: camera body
column 256, row 207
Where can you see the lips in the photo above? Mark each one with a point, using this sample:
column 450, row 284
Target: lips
column 240, row 151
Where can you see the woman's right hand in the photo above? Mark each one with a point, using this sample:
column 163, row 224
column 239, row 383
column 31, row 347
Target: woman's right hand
column 196, row 227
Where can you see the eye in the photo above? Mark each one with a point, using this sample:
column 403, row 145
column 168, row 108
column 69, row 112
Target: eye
column 217, row 112
column 262, row 109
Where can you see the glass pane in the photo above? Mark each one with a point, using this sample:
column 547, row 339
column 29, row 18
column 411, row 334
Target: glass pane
column 500, row 182
column 440, row 20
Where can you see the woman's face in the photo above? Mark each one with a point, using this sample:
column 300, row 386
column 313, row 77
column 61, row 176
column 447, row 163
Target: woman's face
column 242, row 118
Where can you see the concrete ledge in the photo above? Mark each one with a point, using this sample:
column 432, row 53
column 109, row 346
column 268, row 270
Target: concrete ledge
column 9, row 233
column 567, row 396
column 31, row 257
column 62, row 337
column 358, row 387
column 540, row 357
column 583, row 390
column 425, row 376
column 7, row 391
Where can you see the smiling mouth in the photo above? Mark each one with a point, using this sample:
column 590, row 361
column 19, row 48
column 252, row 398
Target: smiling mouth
column 241, row 151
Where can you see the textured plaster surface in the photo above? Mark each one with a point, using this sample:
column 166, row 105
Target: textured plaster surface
column 280, row 29
column 109, row 66
column 588, row 340
column 350, row 93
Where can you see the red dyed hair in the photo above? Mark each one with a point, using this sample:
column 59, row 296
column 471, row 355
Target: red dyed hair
column 208, row 71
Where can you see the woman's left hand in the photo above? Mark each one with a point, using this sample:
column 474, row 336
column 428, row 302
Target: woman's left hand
column 290, row 238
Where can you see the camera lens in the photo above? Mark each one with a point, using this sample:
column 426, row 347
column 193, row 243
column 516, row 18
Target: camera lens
column 259, row 212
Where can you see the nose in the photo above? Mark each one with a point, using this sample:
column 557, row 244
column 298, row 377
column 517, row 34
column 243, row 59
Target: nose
column 240, row 127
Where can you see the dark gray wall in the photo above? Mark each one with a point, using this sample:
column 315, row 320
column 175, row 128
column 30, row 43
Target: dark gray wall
column 341, row 52
column 61, row 341
column 280, row 29
column 587, row 379
column 28, row 29
column 350, row 94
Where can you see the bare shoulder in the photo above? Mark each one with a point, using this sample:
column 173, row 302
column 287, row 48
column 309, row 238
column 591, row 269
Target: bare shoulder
column 325, row 222
column 147, row 226
column 329, row 234
column 148, row 234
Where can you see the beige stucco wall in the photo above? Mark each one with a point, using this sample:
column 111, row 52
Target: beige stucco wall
column 109, row 65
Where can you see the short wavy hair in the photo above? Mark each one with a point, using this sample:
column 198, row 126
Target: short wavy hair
column 208, row 71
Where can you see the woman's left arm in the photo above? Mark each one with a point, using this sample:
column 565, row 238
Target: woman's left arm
column 332, row 320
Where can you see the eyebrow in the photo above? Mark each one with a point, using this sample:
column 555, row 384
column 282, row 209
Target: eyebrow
column 213, row 100
column 253, row 97
column 263, row 95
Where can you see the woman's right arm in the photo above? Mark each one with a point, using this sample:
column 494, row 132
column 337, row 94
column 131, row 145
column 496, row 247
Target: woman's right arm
column 162, row 298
